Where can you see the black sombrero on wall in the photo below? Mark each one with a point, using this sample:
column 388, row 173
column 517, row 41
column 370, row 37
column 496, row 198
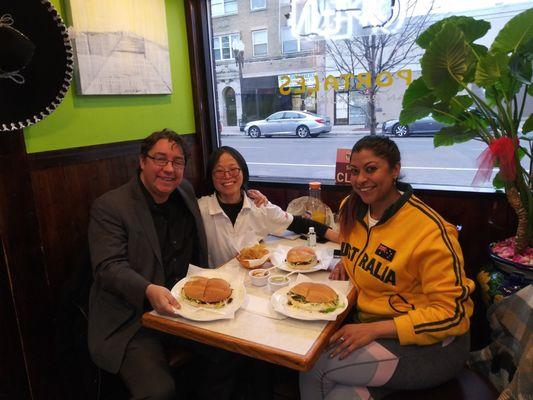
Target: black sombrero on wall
column 35, row 62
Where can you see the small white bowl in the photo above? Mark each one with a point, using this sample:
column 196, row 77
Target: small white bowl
column 276, row 282
column 259, row 277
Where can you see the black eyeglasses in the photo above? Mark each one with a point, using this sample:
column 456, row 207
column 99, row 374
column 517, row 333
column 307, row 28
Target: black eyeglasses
column 162, row 161
column 221, row 173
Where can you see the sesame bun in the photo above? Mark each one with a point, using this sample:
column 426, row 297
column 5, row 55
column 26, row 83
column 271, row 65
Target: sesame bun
column 301, row 257
column 207, row 292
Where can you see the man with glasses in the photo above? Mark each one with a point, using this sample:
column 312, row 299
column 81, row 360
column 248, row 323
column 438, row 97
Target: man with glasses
column 142, row 237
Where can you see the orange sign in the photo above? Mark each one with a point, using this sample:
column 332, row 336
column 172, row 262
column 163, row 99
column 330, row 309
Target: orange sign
column 342, row 175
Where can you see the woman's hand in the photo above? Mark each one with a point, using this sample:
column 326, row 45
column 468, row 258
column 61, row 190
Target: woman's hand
column 338, row 273
column 257, row 197
column 162, row 300
column 351, row 337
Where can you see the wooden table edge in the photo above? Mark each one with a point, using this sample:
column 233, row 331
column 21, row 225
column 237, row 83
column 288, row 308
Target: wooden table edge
column 271, row 354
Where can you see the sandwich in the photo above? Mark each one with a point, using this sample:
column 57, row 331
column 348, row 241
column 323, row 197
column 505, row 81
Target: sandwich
column 301, row 258
column 205, row 292
column 312, row 296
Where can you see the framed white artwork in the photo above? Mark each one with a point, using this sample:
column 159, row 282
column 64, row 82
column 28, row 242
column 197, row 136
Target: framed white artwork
column 120, row 46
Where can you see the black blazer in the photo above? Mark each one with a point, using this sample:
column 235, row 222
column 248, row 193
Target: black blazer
column 126, row 258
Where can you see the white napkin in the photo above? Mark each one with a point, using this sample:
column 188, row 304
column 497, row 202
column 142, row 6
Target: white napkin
column 260, row 306
column 324, row 255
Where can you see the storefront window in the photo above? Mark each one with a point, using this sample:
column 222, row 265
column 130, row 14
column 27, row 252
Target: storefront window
column 308, row 56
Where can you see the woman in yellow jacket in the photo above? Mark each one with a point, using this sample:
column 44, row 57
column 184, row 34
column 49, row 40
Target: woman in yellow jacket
column 413, row 298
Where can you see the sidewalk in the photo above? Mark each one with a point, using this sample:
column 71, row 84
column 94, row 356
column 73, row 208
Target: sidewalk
column 338, row 130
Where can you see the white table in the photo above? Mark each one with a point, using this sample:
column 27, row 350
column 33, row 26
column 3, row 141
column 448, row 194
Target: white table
column 289, row 342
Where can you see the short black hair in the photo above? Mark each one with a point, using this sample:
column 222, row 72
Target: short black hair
column 213, row 159
column 150, row 141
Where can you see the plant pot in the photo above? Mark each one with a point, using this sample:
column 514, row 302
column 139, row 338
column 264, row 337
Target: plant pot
column 502, row 277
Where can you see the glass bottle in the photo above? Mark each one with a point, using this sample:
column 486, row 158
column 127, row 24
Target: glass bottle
column 315, row 209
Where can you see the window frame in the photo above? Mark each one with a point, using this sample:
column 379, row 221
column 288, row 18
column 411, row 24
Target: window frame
column 225, row 13
column 258, row 8
column 231, row 38
column 297, row 40
column 255, row 31
column 202, row 64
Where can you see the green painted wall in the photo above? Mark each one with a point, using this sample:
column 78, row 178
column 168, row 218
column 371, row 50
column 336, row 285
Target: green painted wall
column 90, row 120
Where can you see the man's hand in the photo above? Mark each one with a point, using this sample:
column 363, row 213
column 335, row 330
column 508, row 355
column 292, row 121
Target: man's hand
column 257, row 197
column 338, row 273
column 161, row 299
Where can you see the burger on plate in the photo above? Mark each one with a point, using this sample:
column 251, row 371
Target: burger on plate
column 311, row 296
column 205, row 292
column 301, row 258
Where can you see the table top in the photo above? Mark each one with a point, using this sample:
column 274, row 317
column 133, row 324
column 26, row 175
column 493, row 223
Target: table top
column 285, row 341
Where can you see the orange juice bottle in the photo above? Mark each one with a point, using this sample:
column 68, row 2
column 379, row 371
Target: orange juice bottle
column 315, row 209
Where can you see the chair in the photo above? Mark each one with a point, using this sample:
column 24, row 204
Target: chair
column 467, row 385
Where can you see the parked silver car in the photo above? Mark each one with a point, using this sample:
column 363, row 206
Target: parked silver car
column 300, row 123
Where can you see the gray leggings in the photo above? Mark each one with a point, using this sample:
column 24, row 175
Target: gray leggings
column 382, row 367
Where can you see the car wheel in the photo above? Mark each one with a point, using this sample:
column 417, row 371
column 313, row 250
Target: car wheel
column 254, row 132
column 400, row 130
column 302, row 131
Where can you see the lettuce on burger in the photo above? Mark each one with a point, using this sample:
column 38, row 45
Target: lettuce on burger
column 312, row 296
column 301, row 258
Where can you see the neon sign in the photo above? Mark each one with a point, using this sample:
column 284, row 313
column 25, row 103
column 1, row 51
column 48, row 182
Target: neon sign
column 342, row 19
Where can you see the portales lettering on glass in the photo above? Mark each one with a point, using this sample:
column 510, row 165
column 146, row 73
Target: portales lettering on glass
column 298, row 84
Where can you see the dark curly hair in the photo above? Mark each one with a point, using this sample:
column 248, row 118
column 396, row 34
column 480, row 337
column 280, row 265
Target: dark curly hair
column 171, row 136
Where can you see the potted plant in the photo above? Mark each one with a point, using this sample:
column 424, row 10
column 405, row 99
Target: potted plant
column 453, row 65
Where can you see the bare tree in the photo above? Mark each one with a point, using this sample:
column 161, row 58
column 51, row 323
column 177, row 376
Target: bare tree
column 375, row 54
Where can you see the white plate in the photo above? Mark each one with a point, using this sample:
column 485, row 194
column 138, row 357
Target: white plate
column 279, row 303
column 279, row 254
column 286, row 267
column 205, row 314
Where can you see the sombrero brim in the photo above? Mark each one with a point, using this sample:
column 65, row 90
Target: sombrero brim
column 47, row 76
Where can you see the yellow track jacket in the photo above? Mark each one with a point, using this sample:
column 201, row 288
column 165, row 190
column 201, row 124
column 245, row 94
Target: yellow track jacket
column 409, row 267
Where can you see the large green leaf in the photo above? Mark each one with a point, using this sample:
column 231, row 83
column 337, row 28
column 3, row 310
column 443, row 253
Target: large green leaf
column 472, row 29
column 451, row 112
column 516, row 32
column 528, row 125
column 446, row 61
column 520, row 63
column 418, row 108
column 416, row 90
column 453, row 134
column 491, row 68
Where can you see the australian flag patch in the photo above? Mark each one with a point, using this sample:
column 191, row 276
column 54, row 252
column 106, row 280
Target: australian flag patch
column 385, row 252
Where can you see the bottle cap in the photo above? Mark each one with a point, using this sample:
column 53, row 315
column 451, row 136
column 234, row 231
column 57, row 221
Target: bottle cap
column 314, row 185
